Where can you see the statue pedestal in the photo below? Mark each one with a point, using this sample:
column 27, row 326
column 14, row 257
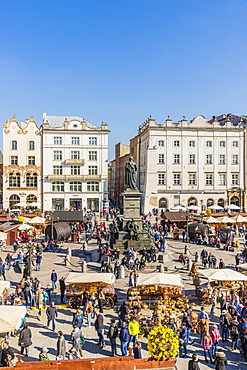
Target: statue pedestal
column 131, row 204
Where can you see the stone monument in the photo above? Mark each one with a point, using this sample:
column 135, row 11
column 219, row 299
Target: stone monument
column 133, row 231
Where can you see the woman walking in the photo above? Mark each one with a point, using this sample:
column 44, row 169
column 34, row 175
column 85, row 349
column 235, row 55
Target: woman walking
column 25, row 339
column 61, row 346
column 206, row 344
column 215, row 337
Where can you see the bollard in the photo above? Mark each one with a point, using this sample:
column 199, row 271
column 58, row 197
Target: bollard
column 196, row 257
column 122, row 272
column 162, row 270
column 189, row 264
column 67, row 260
column 84, row 266
column 186, row 249
column 69, row 252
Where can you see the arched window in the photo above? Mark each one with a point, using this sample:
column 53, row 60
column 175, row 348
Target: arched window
column 31, row 180
column 14, row 180
column 31, row 145
column 13, row 199
column 192, row 202
column 221, row 202
column 235, row 200
column 163, row 203
column 58, row 186
column 75, row 186
column 31, row 198
column 93, row 186
column 210, row 202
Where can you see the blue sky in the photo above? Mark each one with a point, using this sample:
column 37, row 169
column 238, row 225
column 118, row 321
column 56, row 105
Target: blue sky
column 120, row 61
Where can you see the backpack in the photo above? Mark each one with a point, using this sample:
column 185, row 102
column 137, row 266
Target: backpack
column 234, row 331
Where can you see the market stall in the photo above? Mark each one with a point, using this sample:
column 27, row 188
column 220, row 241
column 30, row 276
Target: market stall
column 223, row 281
column 11, row 318
column 79, row 283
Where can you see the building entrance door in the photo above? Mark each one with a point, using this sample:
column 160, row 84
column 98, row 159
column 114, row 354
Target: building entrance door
column 75, row 204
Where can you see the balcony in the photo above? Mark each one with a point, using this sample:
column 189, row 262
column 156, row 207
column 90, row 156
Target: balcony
column 74, row 177
column 74, row 162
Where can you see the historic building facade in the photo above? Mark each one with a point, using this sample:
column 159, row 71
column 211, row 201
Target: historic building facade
column 198, row 162
column 21, row 162
column 74, row 164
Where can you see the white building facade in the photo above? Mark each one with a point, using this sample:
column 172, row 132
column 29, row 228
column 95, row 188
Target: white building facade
column 21, row 162
column 74, row 164
column 198, row 162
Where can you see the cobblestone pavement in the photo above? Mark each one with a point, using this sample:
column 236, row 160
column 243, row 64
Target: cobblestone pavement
column 45, row 337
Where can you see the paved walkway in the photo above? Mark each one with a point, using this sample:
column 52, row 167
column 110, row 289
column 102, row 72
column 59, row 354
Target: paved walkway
column 44, row 337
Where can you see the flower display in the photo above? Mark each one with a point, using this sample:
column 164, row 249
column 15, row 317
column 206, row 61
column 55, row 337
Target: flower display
column 162, row 343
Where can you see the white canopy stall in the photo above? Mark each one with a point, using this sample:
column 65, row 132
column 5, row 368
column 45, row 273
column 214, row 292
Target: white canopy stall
column 223, row 275
column 11, row 318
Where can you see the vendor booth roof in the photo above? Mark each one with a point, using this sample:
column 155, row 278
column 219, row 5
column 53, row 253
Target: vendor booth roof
column 213, row 220
column 4, row 285
column 11, row 317
column 223, row 275
column 83, row 278
column 160, row 279
column 240, row 218
column 243, row 266
column 175, row 216
column 227, row 220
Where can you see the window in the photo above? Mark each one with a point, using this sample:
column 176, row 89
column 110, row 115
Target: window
column 192, row 143
column 13, row 199
column 176, row 143
column 209, row 179
column 192, row 158
column 209, row 143
column 31, row 180
column 14, row 160
column 192, row 179
column 57, row 155
column 161, row 158
column 75, row 186
column 57, row 170
column 222, row 143
column 14, row 180
column 31, row 198
column 92, row 170
column 57, row 186
column 222, row 159
column 210, row 202
column 75, row 141
column 75, row 154
column 176, row 178
column 161, row 179
column 209, row 158
column 75, row 170
column 235, row 159
column 93, row 186
column 222, row 179
column 93, row 141
column 192, row 202
column 92, row 156
column 14, row 145
column 235, row 179
column 57, row 140
column 31, row 160
column 161, row 143
column 176, row 158
column 235, row 143
column 31, row 145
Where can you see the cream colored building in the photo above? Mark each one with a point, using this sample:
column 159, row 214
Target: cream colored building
column 191, row 162
column 21, row 162
column 74, row 163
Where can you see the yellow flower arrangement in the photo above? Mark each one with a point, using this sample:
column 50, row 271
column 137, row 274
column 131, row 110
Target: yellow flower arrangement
column 162, row 343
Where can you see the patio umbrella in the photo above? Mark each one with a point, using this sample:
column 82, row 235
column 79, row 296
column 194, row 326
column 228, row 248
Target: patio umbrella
column 37, row 220
column 34, row 204
column 178, row 208
column 193, row 208
column 215, row 207
column 21, row 204
column 240, row 219
column 232, row 206
column 223, row 275
column 212, row 220
column 25, row 227
column 227, row 220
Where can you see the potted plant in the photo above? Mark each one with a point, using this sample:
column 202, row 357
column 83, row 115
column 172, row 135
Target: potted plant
column 162, row 344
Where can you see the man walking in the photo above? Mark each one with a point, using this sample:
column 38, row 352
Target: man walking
column 112, row 335
column 99, row 327
column 2, row 270
column 51, row 314
column 53, row 280
column 38, row 261
column 124, row 338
